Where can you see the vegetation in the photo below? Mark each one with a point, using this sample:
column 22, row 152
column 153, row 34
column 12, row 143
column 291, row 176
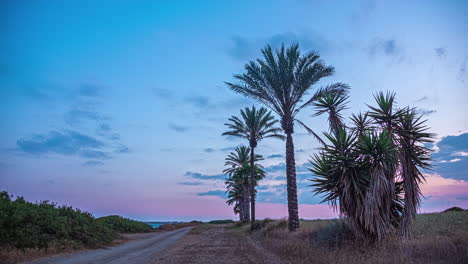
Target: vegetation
column 281, row 80
column 238, row 171
column 371, row 171
column 124, row 225
column 43, row 225
column 254, row 126
column 227, row 221
column 438, row 238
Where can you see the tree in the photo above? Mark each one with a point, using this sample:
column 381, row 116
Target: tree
column 371, row 171
column 238, row 171
column 281, row 80
column 235, row 196
column 254, row 125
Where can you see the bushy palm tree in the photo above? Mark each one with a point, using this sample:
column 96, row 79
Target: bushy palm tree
column 281, row 80
column 238, row 171
column 371, row 171
column 253, row 125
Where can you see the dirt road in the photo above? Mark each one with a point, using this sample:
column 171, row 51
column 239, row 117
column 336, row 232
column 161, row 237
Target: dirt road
column 137, row 251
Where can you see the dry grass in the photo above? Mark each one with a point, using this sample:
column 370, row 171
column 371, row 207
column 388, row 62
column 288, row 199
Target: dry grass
column 440, row 238
column 212, row 243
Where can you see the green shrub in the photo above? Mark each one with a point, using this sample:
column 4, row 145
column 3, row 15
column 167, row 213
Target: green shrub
column 124, row 225
column 227, row 221
column 43, row 224
column 454, row 209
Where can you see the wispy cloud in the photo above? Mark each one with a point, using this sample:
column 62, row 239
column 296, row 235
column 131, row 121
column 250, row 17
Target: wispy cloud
column 273, row 156
column 178, row 128
column 387, row 47
column 191, row 183
column 216, row 193
column 427, row 111
column 66, row 142
column 196, row 175
column 93, row 163
column 209, row 150
column 441, row 52
column 162, row 93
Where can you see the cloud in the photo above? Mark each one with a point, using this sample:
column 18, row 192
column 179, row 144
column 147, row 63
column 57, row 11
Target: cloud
column 162, row 93
column 462, row 71
column 89, row 90
column 422, row 99
column 460, row 153
column 209, row 150
column 427, row 111
column 440, row 191
column 200, row 176
column 199, row 101
column 441, row 52
column 94, row 154
column 387, row 47
column 66, row 143
column 275, row 156
column 122, row 149
column 216, row 193
column 178, row 128
column 244, row 48
column 93, row 163
column 191, row 183
column 105, row 127
column 76, row 116
column 451, row 159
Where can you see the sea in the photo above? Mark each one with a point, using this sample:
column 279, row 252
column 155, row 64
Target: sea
column 157, row 224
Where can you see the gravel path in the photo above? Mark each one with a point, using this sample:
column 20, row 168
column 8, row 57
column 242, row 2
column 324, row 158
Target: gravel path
column 138, row 251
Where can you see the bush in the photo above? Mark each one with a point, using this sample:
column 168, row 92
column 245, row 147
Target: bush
column 333, row 234
column 454, row 209
column 43, row 224
column 227, row 221
column 124, row 225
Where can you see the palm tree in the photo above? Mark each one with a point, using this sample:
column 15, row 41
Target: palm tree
column 238, row 170
column 281, row 80
column 235, row 196
column 254, row 125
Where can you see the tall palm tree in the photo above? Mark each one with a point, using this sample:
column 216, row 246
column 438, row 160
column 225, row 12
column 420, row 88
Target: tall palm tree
column 254, row 125
column 238, row 170
column 281, row 80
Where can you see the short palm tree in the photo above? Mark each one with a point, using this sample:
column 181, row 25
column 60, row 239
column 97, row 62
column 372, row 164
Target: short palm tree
column 235, row 196
column 359, row 168
column 253, row 125
column 238, row 171
column 281, row 80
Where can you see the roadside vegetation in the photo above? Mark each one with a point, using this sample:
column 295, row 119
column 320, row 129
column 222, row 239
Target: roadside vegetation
column 33, row 229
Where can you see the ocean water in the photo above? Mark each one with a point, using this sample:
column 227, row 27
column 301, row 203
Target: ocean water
column 155, row 225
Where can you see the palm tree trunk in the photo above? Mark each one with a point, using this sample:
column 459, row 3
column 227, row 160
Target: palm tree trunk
column 293, row 211
column 245, row 191
column 252, row 186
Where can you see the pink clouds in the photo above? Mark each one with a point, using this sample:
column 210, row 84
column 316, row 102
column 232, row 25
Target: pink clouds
column 442, row 193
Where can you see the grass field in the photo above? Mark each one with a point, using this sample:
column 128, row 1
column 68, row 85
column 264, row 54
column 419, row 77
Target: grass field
column 439, row 238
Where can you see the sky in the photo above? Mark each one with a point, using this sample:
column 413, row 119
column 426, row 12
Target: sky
column 117, row 107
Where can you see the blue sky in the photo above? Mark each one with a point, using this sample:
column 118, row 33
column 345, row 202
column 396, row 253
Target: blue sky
column 117, row 106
